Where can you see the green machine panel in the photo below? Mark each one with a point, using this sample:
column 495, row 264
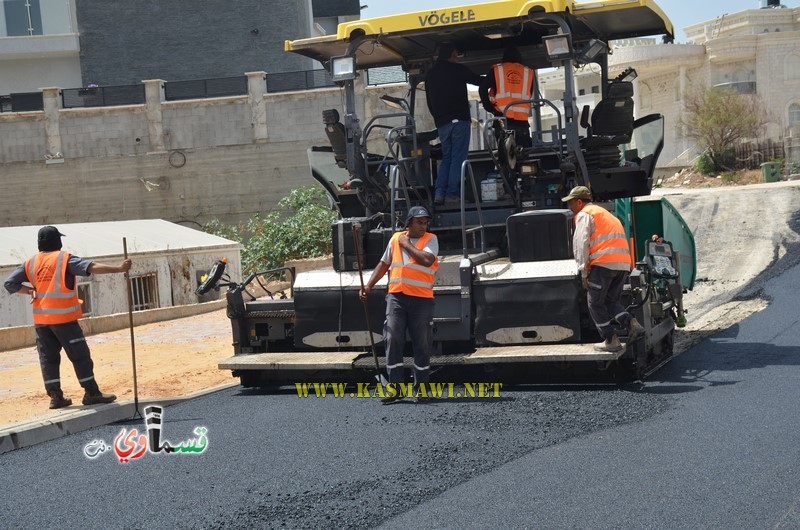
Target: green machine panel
column 657, row 216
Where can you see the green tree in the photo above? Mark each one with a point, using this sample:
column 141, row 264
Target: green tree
column 300, row 229
column 717, row 118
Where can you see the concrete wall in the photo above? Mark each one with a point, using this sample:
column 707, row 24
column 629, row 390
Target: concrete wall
column 207, row 123
column 124, row 41
column 183, row 161
column 177, row 278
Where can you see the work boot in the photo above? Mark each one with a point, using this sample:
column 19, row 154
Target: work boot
column 57, row 399
column 96, row 398
column 635, row 330
column 438, row 201
column 612, row 345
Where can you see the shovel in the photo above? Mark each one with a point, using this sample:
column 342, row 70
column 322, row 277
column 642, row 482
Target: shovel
column 378, row 375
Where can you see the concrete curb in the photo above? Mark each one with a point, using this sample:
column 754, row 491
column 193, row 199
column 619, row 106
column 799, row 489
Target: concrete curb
column 71, row 421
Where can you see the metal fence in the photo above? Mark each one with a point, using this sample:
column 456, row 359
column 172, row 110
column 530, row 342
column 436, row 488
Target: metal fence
column 22, row 102
column 102, row 96
column 206, row 88
column 303, row 80
column 106, row 96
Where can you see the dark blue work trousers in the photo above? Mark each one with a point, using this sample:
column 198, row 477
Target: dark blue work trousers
column 49, row 341
column 413, row 315
column 605, row 288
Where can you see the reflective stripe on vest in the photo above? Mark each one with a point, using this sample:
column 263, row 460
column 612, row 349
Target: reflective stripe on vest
column 513, row 82
column 608, row 243
column 412, row 278
column 54, row 303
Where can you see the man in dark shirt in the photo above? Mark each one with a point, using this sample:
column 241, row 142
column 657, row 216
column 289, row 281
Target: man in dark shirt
column 448, row 102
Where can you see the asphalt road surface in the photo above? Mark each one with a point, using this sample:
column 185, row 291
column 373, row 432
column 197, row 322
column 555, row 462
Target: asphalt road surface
column 712, row 440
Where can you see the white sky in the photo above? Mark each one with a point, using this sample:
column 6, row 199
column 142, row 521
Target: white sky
column 682, row 12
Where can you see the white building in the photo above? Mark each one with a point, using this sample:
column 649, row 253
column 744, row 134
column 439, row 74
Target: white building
column 756, row 51
column 168, row 262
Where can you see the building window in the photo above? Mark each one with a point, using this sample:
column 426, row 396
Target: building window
column 85, row 296
column 23, row 17
column 144, row 289
column 792, row 67
column 794, row 115
column 595, row 89
column 582, row 92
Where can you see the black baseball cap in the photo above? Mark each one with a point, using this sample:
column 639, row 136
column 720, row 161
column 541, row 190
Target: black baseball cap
column 416, row 211
column 49, row 238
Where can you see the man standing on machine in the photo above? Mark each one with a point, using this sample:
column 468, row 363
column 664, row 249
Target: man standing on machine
column 604, row 262
column 510, row 81
column 448, row 102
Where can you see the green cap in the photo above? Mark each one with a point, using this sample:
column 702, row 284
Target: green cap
column 578, row 192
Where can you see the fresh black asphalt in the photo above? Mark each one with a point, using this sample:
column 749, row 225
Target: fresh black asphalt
column 711, row 441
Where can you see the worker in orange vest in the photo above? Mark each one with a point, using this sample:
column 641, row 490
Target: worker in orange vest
column 510, row 81
column 604, row 262
column 410, row 258
column 50, row 276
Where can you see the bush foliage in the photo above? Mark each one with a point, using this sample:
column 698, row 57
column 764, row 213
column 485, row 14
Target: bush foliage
column 718, row 119
column 300, row 229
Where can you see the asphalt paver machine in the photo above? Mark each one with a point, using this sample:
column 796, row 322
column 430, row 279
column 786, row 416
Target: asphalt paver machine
column 509, row 301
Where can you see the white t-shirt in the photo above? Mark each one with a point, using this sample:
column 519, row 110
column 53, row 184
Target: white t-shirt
column 432, row 247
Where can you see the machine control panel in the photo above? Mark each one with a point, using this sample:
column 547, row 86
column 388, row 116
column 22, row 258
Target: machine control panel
column 661, row 258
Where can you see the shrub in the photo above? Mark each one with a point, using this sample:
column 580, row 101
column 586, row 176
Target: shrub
column 301, row 230
column 704, row 164
column 708, row 164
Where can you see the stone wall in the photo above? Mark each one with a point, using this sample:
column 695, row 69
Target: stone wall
column 184, row 161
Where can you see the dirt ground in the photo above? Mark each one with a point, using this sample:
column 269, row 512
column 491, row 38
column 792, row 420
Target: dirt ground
column 689, row 178
column 173, row 358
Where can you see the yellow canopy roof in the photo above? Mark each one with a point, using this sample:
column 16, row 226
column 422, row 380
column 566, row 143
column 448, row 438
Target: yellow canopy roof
column 483, row 27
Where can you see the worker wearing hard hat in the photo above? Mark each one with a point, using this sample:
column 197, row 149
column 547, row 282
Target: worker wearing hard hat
column 411, row 261
column 604, row 262
column 50, row 275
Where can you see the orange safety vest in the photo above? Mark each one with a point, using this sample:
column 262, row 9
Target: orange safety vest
column 608, row 243
column 412, row 278
column 512, row 82
column 54, row 302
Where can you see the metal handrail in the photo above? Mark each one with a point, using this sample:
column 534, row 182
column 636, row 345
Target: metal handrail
column 465, row 167
column 539, row 102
